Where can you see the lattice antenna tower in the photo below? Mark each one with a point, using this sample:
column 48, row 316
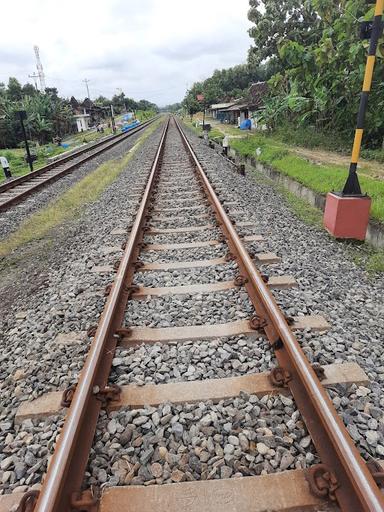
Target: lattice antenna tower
column 40, row 70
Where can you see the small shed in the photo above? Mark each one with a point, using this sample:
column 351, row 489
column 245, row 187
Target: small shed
column 216, row 109
column 82, row 122
column 238, row 113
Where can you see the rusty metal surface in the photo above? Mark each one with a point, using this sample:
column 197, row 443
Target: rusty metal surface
column 32, row 183
column 342, row 476
column 356, row 489
column 66, row 470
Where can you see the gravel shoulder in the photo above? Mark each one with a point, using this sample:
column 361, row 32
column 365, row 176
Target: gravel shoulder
column 51, row 289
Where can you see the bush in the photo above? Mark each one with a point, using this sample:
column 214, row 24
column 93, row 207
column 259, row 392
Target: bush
column 310, row 137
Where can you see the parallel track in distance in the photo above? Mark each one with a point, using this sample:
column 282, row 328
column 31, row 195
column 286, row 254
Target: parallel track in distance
column 16, row 190
column 342, row 477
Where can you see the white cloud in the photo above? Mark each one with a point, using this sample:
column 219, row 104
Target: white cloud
column 150, row 49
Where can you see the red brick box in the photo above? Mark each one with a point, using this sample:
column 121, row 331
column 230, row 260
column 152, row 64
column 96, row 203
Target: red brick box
column 347, row 216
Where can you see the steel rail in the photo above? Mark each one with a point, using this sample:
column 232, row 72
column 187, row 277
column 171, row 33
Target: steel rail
column 356, row 489
column 103, row 145
column 62, row 484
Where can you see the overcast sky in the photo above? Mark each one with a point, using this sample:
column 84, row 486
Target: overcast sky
column 150, row 49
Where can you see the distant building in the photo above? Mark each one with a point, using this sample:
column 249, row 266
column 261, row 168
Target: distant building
column 82, row 121
column 248, row 107
column 87, row 114
column 216, row 109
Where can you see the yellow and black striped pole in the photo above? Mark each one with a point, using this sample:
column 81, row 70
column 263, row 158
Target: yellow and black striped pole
column 352, row 185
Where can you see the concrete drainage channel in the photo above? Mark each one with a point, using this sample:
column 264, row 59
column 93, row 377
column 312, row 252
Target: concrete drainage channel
column 375, row 231
column 200, row 436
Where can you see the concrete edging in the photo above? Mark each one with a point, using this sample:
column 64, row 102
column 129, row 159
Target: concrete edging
column 375, row 231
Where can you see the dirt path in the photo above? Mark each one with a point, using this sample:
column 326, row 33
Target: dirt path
column 369, row 168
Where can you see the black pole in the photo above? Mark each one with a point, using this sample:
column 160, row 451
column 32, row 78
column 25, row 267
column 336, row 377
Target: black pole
column 203, row 116
column 352, row 185
column 22, row 115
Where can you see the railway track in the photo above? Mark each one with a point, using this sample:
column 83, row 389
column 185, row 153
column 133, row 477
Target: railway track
column 179, row 202
column 16, row 190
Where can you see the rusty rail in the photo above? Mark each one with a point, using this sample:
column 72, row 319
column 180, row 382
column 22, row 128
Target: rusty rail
column 103, row 145
column 343, row 474
column 61, row 488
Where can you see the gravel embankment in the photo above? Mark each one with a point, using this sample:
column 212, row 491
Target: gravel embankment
column 53, row 291
column 11, row 219
column 171, row 443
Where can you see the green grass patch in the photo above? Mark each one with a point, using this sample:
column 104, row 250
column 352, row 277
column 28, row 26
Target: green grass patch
column 363, row 255
column 320, row 178
column 70, row 204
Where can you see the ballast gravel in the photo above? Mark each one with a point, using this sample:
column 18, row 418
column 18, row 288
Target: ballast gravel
column 11, row 219
column 53, row 293
column 172, row 443
column 192, row 360
column 194, row 309
column 62, row 294
column 215, row 273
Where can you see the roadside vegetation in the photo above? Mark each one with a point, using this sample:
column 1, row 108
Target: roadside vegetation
column 318, row 177
column 313, row 61
column 16, row 156
column 363, row 255
column 321, row 178
column 70, row 204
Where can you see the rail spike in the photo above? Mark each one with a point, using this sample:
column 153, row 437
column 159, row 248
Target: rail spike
column 322, row 481
column 67, row 396
column 28, row 501
column 280, row 377
column 86, row 501
column 257, row 323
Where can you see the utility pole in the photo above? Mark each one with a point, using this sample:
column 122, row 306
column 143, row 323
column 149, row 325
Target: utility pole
column 113, row 119
column 346, row 213
column 40, row 71
column 23, row 115
column 86, row 81
column 374, row 31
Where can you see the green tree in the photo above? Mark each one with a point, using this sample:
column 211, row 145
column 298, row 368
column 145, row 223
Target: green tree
column 14, row 89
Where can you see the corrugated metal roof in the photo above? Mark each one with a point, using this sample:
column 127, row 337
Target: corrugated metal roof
column 238, row 107
column 221, row 105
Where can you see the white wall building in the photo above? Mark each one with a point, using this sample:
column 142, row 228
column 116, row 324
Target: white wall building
column 82, row 122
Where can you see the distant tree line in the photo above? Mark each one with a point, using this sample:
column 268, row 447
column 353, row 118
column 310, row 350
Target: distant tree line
column 122, row 103
column 313, row 58
column 226, row 84
column 48, row 115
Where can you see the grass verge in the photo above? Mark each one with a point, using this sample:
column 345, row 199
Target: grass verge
column 364, row 255
column 320, row 178
column 70, row 204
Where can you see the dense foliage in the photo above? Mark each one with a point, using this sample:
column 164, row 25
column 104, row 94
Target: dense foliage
column 320, row 63
column 311, row 54
column 226, row 84
column 122, row 103
column 48, row 115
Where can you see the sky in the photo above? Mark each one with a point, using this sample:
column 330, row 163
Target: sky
column 149, row 49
